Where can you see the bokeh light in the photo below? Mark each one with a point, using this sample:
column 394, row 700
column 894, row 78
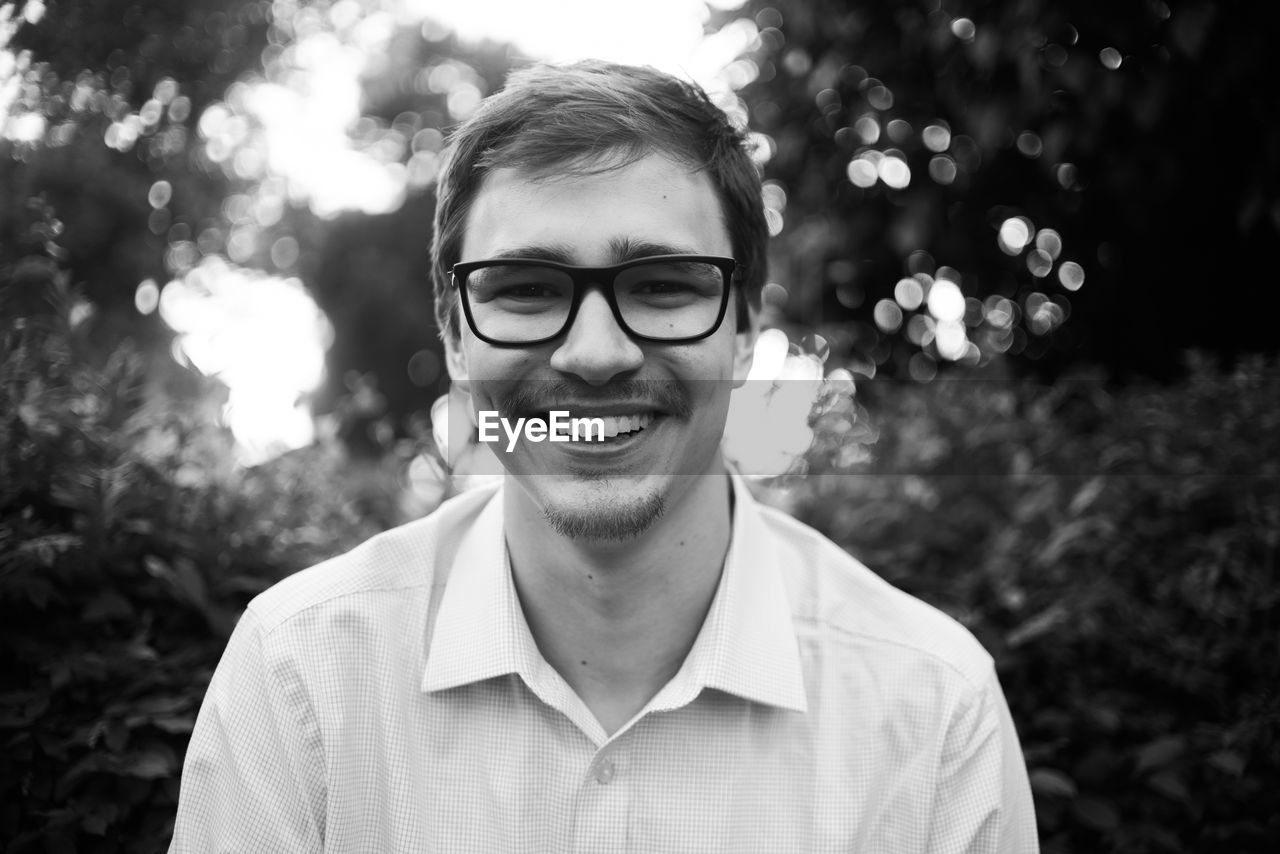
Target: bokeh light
column 951, row 340
column 261, row 335
column 1029, row 144
column 1001, row 312
column 942, row 169
column 774, row 196
column 1043, row 314
column 964, row 29
column 877, row 94
column 862, row 169
column 899, row 131
column 1050, row 242
column 936, row 137
column 867, row 129
column 888, row 316
column 1039, row 263
column 1066, row 175
column 893, row 170
column 25, row 128
column 909, row 293
column 920, row 329
column 1071, row 275
column 946, row 302
column 160, row 194
column 1015, row 234
column 146, row 298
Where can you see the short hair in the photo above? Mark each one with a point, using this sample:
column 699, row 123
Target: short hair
column 592, row 117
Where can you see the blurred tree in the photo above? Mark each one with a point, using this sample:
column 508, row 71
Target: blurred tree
column 107, row 95
column 371, row 274
column 147, row 128
column 1131, row 139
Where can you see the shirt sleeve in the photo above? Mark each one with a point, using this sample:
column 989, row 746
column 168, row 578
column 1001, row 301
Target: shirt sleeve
column 253, row 776
column 983, row 803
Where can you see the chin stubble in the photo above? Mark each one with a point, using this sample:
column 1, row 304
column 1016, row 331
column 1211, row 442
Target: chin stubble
column 607, row 520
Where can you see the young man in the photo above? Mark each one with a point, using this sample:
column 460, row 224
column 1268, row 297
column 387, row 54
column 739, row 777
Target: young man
column 617, row 649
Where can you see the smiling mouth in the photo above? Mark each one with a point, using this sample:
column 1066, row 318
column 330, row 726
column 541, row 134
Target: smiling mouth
column 609, row 428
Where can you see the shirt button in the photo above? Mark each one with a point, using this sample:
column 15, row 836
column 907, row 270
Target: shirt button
column 604, row 772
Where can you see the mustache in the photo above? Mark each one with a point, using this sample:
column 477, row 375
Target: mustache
column 538, row 398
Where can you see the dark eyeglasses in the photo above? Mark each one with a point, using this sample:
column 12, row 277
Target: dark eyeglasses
column 672, row 299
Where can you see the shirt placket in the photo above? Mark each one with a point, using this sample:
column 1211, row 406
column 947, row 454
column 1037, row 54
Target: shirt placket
column 604, row 800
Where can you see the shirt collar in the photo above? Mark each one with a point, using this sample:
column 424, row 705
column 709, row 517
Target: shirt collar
column 480, row 631
column 746, row 647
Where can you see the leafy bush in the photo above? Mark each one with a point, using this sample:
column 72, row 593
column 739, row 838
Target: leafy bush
column 130, row 540
column 1115, row 549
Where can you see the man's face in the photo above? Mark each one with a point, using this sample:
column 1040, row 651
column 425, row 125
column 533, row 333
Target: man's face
column 680, row 392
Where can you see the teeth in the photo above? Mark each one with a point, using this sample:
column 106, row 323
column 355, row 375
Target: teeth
column 615, row 424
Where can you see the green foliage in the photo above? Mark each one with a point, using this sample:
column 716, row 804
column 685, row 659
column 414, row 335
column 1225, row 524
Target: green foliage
column 1116, row 551
column 130, row 540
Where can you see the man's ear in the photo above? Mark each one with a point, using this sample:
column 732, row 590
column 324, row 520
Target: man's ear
column 456, row 362
column 744, row 347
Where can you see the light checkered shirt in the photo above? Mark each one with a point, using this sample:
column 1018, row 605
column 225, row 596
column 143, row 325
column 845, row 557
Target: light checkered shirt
column 393, row 700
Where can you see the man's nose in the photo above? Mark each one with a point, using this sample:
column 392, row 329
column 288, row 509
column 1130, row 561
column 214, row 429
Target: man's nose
column 596, row 349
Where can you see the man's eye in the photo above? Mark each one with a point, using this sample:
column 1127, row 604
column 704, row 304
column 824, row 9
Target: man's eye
column 531, row 291
column 515, row 290
column 663, row 286
column 671, row 290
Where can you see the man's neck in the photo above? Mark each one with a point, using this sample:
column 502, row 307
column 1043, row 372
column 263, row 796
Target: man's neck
column 615, row 618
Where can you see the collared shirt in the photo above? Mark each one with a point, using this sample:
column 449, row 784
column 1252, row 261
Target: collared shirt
column 393, row 699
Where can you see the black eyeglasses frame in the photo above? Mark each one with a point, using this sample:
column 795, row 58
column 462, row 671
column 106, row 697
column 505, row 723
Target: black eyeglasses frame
column 585, row 278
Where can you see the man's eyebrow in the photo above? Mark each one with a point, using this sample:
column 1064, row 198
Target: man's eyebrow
column 621, row 249
column 627, row 249
column 559, row 253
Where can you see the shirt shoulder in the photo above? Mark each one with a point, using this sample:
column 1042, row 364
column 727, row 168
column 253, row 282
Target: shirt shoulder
column 837, row 599
column 404, row 558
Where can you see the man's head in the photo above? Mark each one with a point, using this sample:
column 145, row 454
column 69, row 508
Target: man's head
column 617, row 170
column 589, row 117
